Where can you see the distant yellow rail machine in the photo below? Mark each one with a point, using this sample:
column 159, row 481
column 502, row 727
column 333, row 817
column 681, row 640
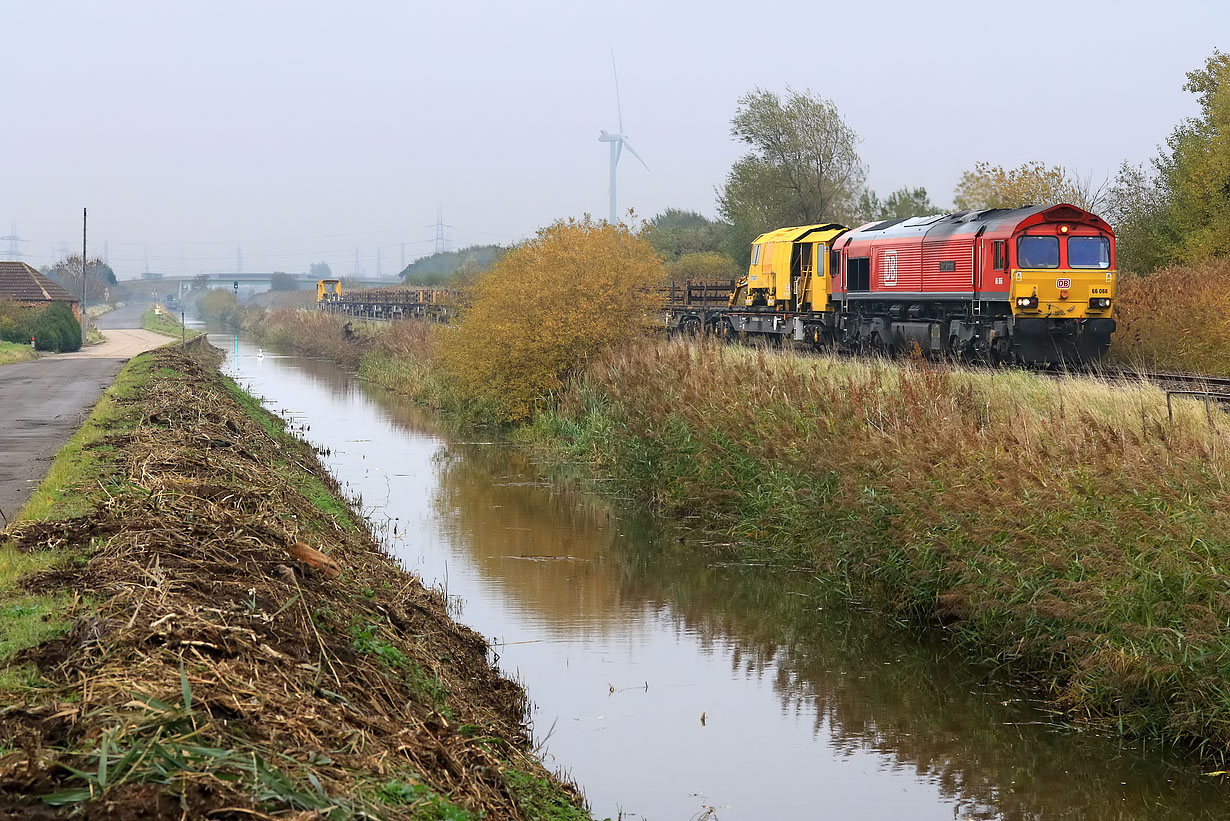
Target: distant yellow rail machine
column 328, row 290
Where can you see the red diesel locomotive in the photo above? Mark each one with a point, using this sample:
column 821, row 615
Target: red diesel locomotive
column 1031, row 285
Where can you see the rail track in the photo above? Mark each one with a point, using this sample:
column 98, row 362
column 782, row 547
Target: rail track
column 1169, row 380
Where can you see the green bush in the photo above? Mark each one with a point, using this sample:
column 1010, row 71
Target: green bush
column 56, row 329
column 15, row 322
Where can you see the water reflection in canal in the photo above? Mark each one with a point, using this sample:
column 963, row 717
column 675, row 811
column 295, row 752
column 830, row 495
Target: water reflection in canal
column 667, row 684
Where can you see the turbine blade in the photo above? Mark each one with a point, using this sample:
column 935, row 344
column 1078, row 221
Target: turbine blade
column 618, row 106
column 632, row 151
column 619, row 149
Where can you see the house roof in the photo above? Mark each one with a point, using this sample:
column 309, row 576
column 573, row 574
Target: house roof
column 22, row 283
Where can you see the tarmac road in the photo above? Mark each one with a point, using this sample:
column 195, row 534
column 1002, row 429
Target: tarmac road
column 43, row 402
column 127, row 317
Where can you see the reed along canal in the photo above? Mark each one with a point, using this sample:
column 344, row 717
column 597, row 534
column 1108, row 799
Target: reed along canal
column 671, row 686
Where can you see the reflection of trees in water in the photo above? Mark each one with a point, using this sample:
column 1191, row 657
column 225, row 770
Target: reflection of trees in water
column 546, row 544
column 868, row 684
column 323, row 372
column 883, row 687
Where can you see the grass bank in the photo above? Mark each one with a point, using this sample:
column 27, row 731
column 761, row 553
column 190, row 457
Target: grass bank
column 164, row 322
column 1065, row 530
column 14, row 352
column 196, row 624
column 399, row 356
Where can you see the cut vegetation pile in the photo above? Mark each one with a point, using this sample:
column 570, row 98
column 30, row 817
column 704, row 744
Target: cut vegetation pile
column 174, row 645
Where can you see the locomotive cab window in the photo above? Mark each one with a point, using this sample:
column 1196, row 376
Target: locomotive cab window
column 999, row 262
column 1037, row 252
column 756, row 254
column 1088, row 252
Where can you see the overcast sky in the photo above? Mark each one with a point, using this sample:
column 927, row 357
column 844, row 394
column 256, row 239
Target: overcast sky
column 300, row 131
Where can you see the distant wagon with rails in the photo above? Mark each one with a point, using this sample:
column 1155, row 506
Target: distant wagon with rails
column 391, row 303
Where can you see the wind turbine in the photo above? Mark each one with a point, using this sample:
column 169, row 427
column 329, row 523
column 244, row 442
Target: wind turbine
column 618, row 143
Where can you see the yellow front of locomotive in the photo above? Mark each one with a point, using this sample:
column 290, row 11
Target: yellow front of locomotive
column 1062, row 289
column 1064, row 274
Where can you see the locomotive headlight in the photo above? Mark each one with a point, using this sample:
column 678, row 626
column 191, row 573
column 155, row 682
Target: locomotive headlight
column 1027, row 302
column 1099, row 302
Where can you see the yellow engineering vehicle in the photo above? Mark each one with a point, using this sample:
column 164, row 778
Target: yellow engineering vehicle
column 791, row 270
column 328, row 290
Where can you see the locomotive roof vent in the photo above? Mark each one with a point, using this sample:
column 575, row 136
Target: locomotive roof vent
column 927, row 220
column 889, row 223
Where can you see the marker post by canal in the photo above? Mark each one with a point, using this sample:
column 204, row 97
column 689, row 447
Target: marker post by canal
column 236, row 335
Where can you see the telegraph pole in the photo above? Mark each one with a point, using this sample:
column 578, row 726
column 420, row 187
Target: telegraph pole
column 84, row 213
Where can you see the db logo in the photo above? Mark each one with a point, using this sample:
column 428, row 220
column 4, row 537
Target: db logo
column 1063, row 283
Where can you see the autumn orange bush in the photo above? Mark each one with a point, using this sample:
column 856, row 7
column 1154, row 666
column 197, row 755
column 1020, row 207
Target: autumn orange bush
column 1176, row 319
column 545, row 309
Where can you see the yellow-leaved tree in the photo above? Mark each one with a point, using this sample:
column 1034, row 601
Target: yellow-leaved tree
column 546, row 308
column 1033, row 183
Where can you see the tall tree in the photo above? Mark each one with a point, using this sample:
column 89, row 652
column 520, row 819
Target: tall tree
column 1031, row 183
column 802, row 166
column 282, row 281
column 1177, row 207
column 320, row 270
column 67, row 272
column 904, row 202
column 443, row 267
column 676, row 232
column 1137, row 206
column 1197, row 171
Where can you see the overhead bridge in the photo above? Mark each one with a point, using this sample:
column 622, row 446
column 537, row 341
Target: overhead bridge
column 394, row 303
